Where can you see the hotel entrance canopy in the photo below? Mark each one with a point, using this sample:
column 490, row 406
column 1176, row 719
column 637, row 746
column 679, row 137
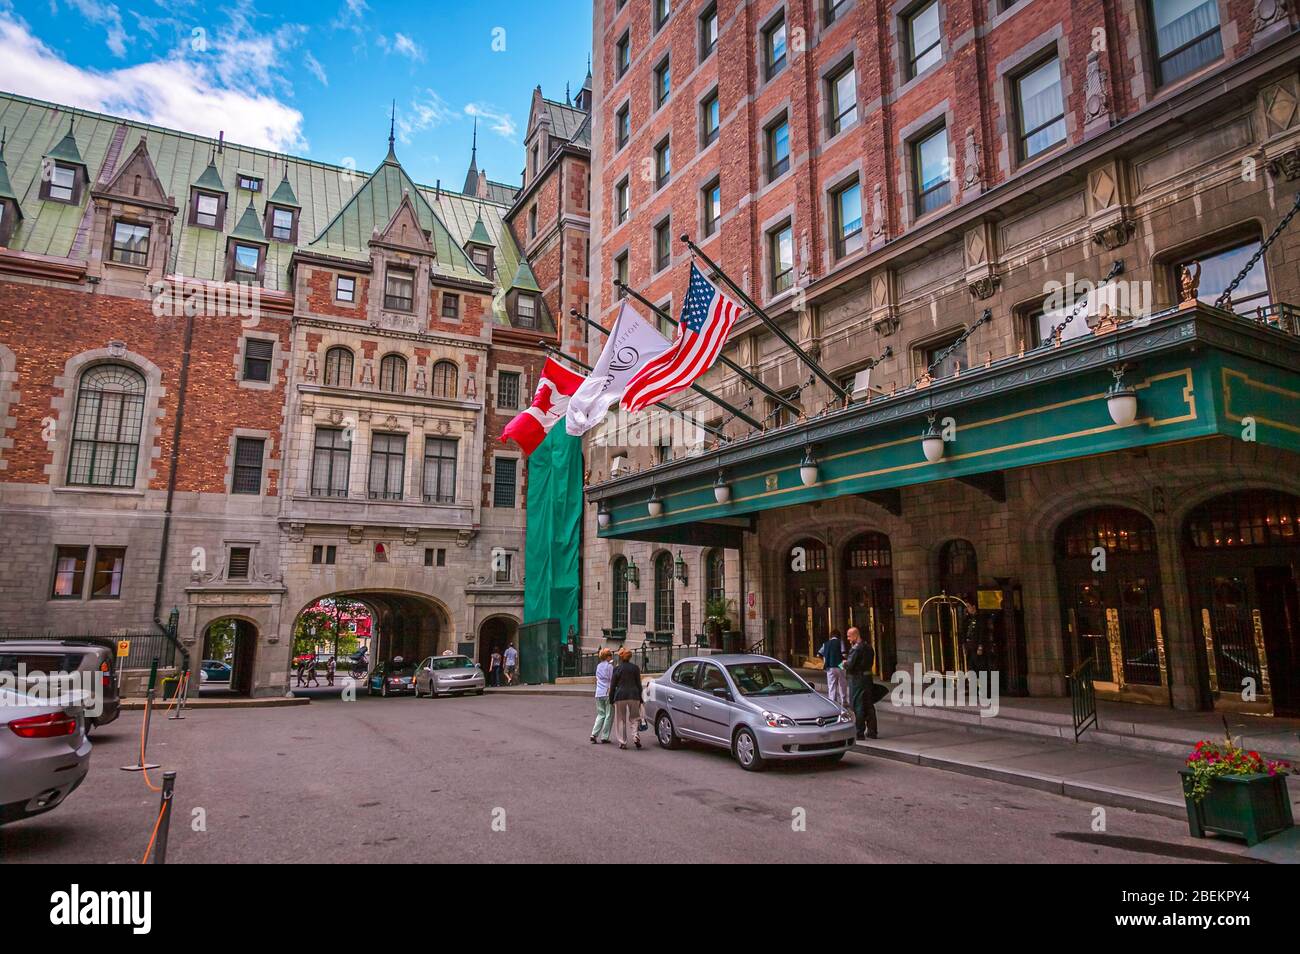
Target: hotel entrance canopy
column 1197, row 372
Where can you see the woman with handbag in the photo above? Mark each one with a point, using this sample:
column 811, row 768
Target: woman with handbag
column 625, row 694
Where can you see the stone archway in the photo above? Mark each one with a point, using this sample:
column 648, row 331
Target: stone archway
column 494, row 634
column 403, row 623
column 230, row 641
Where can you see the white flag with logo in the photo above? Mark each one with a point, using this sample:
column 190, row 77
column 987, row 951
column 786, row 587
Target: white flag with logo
column 632, row 342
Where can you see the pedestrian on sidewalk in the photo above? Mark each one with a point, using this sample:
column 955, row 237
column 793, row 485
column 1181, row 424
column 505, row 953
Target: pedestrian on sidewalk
column 302, row 673
column 311, row 673
column 832, row 656
column 512, row 664
column 625, row 693
column 604, row 712
column 494, row 666
column 330, row 667
column 861, row 686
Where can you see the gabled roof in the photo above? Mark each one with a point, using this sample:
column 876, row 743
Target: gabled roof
column 565, row 120
column 250, row 226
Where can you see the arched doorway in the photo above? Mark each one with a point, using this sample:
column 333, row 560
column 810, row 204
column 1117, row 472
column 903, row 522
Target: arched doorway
column 1108, row 572
column 869, row 588
column 807, row 598
column 1242, row 553
column 496, row 633
column 229, row 642
column 404, row 624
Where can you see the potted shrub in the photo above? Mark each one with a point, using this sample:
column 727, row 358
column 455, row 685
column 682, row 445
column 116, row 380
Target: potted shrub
column 1235, row 792
column 716, row 620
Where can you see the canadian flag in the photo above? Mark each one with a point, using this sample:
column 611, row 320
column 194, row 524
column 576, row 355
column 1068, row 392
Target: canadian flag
column 551, row 400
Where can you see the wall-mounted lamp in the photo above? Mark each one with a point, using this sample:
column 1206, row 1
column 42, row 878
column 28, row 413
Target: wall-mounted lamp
column 655, row 505
column 679, row 569
column 721, row 489
column 632, row 573
column 808, row 473
column 1121, row 400
column 932, row 441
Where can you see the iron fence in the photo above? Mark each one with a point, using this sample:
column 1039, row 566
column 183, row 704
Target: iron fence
column 144, row 647
column 1083, row 698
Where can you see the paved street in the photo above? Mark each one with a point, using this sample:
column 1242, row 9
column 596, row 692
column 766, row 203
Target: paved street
column 419, row 780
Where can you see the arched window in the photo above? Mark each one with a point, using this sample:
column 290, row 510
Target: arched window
column 619, row 619
column 1249, row 518
column 392, row 374
column 445, row 379
column 715, row 583
column 959, row 573
column 338, row 368
column 106, row 432
column 664, row 615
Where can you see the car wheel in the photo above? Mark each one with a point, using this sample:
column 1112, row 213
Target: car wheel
column 433, row 691
column 383, row 690
column 746, row 751
column 665, row 732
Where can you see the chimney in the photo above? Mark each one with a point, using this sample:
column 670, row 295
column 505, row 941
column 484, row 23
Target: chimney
column 221, row 141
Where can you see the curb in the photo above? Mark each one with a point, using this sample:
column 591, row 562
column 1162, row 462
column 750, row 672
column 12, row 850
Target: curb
column 135, row 705
column 1052, row 784
column 584, row 693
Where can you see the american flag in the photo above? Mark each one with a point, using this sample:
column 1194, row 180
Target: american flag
column 707, row 317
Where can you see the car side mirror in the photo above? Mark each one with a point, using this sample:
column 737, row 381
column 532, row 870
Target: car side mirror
column 722, row 694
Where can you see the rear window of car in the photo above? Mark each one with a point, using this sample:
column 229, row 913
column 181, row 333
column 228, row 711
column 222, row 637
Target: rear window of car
column 451, row 662
column 40, row 662
column 684, row 675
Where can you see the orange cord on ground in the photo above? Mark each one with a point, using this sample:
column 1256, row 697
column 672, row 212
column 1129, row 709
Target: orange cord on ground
column 154, row 836
column 144, row 772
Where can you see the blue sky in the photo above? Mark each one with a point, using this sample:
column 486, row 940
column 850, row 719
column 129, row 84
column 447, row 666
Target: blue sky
column 311, row 78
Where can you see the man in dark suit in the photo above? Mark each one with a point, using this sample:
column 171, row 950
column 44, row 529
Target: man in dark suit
column 858, row 666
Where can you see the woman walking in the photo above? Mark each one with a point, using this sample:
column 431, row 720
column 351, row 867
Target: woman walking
column 625, row 693
column 604, row 714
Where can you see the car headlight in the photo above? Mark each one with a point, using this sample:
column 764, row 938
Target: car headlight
column 776, row 720
column 846, row 716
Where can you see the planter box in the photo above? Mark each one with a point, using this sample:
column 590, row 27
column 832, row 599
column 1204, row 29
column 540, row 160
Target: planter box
column 1250, row 807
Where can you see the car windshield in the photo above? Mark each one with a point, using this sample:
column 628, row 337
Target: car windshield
column 451, row 662
column 766, row 679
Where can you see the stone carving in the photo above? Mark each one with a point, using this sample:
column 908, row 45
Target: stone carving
column 355, row 532
column 879, row 227
column 296, row 532
column 984, row 287
column 972, row 175
column 1115, row 234
column 1096, row 101
column 1189, row 283
column 410, row 535
column 1286, row 164
column 309, row 367
column 1266, row 14
column 117, row 349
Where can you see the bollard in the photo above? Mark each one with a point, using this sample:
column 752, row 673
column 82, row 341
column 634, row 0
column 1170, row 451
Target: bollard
column 165, row 810
column 141, row 765
column 182, row 692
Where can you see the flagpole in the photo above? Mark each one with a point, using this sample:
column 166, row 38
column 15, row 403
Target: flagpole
column 816, row 368
column 722, row 358
column 699, row 389
column 551, row 349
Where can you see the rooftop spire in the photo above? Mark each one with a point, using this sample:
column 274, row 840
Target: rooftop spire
column 471, row 175
column 392, row 125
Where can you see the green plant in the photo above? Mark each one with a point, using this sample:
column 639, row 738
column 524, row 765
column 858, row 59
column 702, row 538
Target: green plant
column 1210, row 760
column 717, row 610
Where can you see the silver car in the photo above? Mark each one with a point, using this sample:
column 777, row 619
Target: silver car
column 443, row 675
column 756, row 706
column 44, row 754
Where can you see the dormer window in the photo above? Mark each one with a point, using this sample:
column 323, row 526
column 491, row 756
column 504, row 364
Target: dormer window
column 482, row 259
column 63, row 184
column 245, row 263
column 208, row 210
column 250, row 183
column 399, row 290
column 130, row 244
column 282, row 224
column 526, row 311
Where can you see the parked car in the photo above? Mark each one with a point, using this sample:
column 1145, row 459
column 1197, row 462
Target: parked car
column 439, row 675
column 755, row 706
column 214, row 670
column 42, row 657
column 44, row 754
column 391, row 678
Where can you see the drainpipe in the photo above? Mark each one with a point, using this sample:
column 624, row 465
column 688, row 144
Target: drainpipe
column 170, row 631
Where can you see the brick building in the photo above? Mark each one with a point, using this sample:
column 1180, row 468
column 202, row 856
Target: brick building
column 937, row 192
column 234, row 382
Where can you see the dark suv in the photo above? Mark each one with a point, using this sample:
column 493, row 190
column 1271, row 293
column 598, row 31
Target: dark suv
column 42, row 657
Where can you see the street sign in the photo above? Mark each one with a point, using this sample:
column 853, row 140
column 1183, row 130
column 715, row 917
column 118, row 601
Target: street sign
column 123, row 648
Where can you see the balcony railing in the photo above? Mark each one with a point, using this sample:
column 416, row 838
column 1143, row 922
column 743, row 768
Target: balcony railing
column 1280, row 315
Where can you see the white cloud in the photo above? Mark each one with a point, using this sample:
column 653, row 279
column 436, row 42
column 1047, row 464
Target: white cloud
column 426, row 112
column 401, row 44
column 500, row 123
column 107, row 16
column 314, row 67
column 189, row 92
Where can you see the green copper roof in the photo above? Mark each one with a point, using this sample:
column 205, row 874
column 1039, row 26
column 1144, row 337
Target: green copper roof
column 6, row 190
column 211, row 179
column 335, row 217
column 283, row 194
column 479, row 235
column 66, row 150
column 524, row 280
column 250, row 226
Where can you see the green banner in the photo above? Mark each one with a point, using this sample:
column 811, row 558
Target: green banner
column 552, row 546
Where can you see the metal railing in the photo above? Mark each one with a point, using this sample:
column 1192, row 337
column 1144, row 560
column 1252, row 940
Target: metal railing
column 1279, row 314
column 1083, row 698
